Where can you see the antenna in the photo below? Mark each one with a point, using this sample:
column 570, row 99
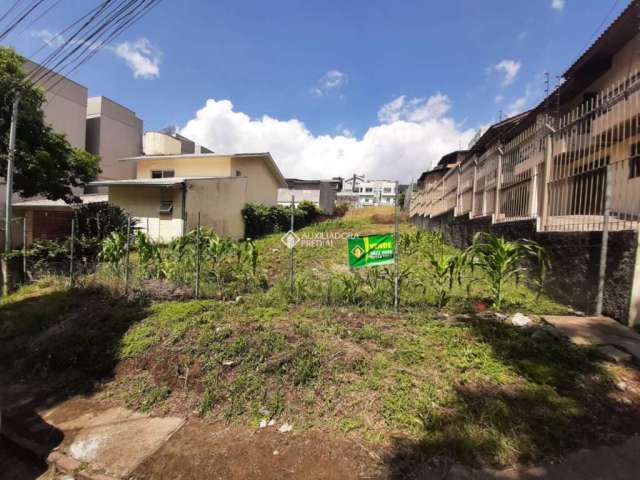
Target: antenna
column 546, row 84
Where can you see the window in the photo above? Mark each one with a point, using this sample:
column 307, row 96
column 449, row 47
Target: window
column 162, row 174
column 356, row 189
column 166, row 207
column 387, row 190
column 238, row 173
column 368, row 190
column 634, row 161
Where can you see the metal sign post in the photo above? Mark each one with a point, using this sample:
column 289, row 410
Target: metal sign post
column 291, row 229
column 396, row 279
column 197, row 292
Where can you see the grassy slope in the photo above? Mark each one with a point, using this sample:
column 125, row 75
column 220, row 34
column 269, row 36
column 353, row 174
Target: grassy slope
column 478, row 391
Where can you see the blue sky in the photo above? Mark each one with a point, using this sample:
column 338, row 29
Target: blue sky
column 323, row 72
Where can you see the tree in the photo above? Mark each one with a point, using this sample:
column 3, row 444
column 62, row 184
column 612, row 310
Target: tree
column 45, row 163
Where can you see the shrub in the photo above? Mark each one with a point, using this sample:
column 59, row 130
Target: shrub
column 341, row 209
column 261, row 219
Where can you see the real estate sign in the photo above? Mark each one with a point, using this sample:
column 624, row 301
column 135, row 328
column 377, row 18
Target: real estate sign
column 371, row 250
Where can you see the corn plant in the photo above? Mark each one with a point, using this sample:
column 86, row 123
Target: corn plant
column 113, row 249
column 502, row 260
column 149, row 255
column 444, row 270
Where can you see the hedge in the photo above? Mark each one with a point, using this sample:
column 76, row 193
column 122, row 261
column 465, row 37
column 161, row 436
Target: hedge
column 262, row 219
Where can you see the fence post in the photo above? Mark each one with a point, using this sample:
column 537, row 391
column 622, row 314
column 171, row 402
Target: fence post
column 71, row 252
column 548, row 158
column 473, row 190
column 605, row 239
column 293, row 206
column 496, row 210
column 533, row 194
column 126, row 256
column 24, row 247
column 197, row 292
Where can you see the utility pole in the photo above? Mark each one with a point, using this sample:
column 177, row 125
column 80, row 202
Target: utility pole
column 7, row 284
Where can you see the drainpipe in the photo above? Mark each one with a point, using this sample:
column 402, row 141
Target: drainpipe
column 184, row 207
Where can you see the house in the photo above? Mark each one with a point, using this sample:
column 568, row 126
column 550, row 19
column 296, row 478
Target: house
column 322, row 193
column 170, row 190
column 360, row 192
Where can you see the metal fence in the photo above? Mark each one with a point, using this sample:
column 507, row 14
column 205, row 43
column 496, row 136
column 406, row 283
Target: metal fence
column 558, row 171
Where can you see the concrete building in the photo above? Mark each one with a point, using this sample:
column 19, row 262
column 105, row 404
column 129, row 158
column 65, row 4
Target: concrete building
column 360, row 192
column 170, row 190
column 113, row 132
column 66, row 105
column 322, row 193
column 563, row 173
column 169, row 142
column 97, row 125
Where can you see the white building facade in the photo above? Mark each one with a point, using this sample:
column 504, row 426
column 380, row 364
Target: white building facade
column 367, row 193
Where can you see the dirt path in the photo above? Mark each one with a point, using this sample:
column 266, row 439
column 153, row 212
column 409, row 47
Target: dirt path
column 238, row 453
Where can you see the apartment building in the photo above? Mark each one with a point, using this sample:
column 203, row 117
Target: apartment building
column 360, row 192
column 562, row 173
column 98, row 125
column 113, row 132
column 553, row 163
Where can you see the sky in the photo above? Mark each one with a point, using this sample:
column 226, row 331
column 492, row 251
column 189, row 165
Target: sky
column 330, row 87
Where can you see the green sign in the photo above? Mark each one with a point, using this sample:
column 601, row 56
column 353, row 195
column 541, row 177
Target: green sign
column 371, row 250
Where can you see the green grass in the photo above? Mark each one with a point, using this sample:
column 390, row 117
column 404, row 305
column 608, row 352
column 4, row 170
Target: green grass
column 34, row 307
column 331, row 358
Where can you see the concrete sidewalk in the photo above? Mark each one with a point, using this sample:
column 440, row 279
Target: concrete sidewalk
column 598, row 331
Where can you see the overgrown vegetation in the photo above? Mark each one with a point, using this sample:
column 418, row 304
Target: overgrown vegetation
column 330, row 355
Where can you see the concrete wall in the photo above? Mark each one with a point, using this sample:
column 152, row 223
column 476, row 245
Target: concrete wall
column 575, row 260
column 220, row 203
column 66, row 106
column 143, row 204
column 113, row 132
column 156, row 143
column 262, row 186
column 198, row 166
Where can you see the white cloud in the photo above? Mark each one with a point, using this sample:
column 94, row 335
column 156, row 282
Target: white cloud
column 332, row 80
column 510, row 69
column 414, row 110
column 558, row 4
column 498, row 98
column 397, row 149
column 522, row 35
column 141, row 56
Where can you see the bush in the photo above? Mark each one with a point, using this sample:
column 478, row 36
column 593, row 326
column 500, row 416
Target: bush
column 261, row 219
column 341, row 209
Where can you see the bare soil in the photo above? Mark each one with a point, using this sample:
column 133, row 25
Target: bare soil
column 228, row 452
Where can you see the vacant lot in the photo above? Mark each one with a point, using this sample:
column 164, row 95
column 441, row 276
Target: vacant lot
column 332, row 358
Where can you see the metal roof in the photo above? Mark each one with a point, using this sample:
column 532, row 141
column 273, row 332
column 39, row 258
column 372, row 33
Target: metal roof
column 43, row 202
column 151, row 182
